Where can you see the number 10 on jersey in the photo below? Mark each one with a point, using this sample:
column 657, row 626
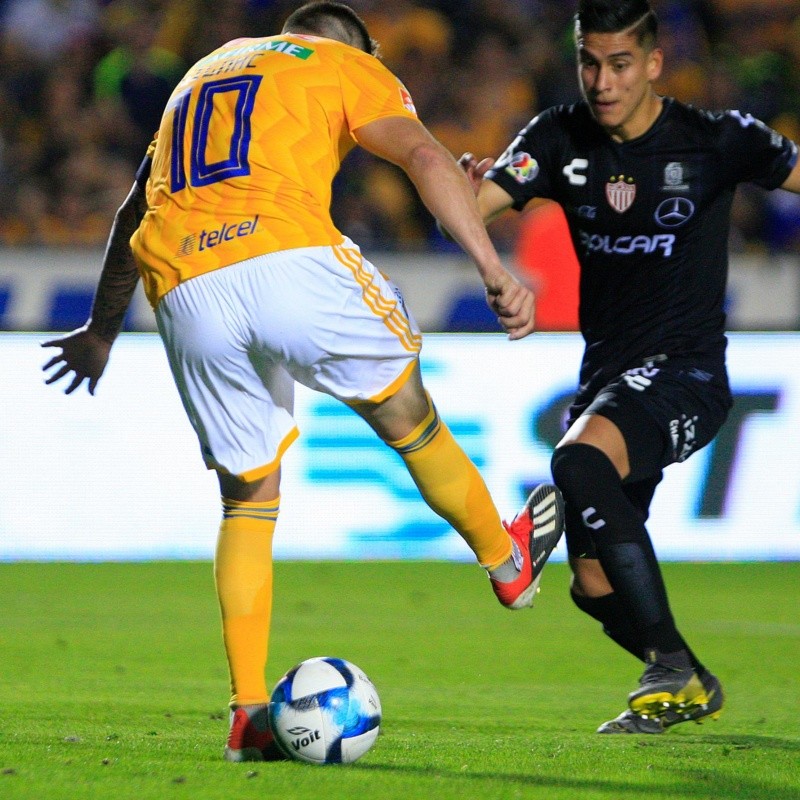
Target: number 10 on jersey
column 237, row 94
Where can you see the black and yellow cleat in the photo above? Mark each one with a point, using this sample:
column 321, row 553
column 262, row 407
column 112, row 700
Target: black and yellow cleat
column 628, row 722
column 698, row 711
column 670, row 689
column 695, row 711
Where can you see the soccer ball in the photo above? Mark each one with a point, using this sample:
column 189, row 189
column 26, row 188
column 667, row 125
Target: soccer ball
column 325, row 711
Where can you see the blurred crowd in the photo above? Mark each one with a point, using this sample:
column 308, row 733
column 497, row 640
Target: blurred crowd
column 83, row 84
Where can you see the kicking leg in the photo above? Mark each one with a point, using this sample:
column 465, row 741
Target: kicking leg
column 452, row 486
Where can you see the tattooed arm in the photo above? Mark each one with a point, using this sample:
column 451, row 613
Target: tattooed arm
column 120, row 276
column 85, row 351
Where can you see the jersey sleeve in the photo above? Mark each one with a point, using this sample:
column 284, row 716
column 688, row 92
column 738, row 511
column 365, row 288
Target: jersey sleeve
column 751, row 151
column 143, row 172
column 370, row 91
column 524, row 168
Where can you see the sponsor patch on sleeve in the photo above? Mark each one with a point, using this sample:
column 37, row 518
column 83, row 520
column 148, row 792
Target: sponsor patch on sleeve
column 405, row 98
column 522, row 167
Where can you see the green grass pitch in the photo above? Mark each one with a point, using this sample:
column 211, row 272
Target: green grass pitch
column 113, row 685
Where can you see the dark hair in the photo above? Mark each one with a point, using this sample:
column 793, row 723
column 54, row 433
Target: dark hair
column 614, row 16
column 333, row 21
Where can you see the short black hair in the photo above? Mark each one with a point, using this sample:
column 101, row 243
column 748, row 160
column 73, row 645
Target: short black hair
column 614, row 16
column 333, row 21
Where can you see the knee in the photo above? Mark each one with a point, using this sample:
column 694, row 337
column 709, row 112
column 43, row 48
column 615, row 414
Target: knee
column 400, row 415
column 581, row 471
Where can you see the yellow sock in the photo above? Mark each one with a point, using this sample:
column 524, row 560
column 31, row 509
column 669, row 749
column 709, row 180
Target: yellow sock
column 243, row 573
column 452, row 486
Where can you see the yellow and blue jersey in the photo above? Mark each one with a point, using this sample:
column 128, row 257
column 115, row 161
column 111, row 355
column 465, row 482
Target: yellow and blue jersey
column 247, row 149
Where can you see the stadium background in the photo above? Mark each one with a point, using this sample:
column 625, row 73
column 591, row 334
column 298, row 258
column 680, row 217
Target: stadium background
column 82, row 85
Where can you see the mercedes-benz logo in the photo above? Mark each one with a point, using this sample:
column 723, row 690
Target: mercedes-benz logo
column 674, row 212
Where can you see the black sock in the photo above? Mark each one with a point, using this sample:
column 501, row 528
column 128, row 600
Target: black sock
column 608, row 611
column 636, row 578
column 591, row 484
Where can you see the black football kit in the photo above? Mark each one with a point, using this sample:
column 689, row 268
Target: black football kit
column 649, row 220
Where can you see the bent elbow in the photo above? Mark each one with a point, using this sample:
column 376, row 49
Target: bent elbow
column 427, row 157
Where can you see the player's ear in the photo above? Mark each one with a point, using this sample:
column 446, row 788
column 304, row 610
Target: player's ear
column 655, row 63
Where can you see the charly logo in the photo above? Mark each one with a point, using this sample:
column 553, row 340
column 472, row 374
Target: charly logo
column 674, row 212
column 573, row 171
column 522, row 167
column 594, row 524
column 620, row 193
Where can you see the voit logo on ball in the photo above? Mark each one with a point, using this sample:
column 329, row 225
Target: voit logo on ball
column 303, row 737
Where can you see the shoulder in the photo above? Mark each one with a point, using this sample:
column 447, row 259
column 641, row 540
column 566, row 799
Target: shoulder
column 683, row 125
column 558, row 123
column 565, row 131
column 712, row 122
column 562, row 117
column 744, row 148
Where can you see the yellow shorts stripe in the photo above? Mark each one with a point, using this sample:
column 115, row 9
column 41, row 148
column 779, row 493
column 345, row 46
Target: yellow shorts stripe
column 394, row 319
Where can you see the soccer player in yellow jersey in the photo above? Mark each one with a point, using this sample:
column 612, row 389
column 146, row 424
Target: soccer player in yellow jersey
column 254, row 288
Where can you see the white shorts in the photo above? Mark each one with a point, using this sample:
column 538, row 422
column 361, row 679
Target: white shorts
column 238, row 337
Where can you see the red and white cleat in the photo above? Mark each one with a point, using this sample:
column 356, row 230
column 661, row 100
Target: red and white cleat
column 250, row 737
column 536, row 530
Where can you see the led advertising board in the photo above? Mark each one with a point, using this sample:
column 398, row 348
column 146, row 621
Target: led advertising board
column 119, row 475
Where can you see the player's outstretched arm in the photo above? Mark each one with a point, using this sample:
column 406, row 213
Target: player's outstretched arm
column 447, row 193
column 85, row 351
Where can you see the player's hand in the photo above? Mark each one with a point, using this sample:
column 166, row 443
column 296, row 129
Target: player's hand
column 475, row 169
column 513, row 303
column 82, row 352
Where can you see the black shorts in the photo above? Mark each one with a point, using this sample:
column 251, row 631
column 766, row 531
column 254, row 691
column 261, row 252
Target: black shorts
column 666, row 411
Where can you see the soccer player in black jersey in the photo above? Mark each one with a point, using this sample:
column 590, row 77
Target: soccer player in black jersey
column 646, row 183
